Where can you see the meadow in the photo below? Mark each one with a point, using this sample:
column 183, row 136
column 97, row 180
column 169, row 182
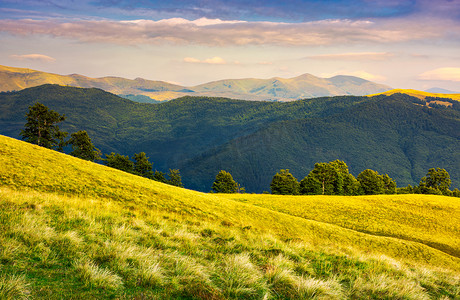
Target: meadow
column 74, row 229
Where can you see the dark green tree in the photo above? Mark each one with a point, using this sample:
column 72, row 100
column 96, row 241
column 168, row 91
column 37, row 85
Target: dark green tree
column 224, row 183
column 42, row 129
column 331, row 178
column 389, row 185
column 435, row 179
column 159, row 176
column 175, row 178
column 142, row 165
column 120, row 162
column 284, row 183
column 82, row 146
column 374, row 184
column 456, row 193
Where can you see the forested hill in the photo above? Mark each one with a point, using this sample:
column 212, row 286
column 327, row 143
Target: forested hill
column 169, row 132
column 392, row 135
column 201, row 135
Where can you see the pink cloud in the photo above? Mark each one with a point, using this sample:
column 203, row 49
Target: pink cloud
column 33, row 57
column 214, row 32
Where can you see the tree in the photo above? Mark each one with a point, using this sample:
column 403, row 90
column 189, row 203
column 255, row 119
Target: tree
column 41, row 128
column 435, row 179
column 174, row 178
column 142, row 166
column 389, row 185
column 331, row 178
column 159, row 176
column 120, row 162
column 373, row 184
column 224, row 183
column 82, row 146
column 284, row 183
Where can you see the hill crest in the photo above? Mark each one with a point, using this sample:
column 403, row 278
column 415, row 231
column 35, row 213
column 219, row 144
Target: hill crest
column 276, row 88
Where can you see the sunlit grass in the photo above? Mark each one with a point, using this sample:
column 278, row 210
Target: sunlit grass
column 94, row 232
column 419, row 94
column 431, row 220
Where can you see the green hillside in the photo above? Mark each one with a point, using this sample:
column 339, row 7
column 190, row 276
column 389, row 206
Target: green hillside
column 74, row 229
column 391, row 135
column 253, row 140
column 169, row 133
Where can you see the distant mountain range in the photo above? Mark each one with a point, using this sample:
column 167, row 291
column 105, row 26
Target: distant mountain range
column 440, row 91
column 277, row 89
column 398, row 134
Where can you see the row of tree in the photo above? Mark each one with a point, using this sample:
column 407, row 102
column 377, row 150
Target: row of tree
column 42, row 129
column 140, row 165
column 334, row 178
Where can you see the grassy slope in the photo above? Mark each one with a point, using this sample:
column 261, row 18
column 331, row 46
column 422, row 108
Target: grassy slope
column 97, row 231
column 434, row 221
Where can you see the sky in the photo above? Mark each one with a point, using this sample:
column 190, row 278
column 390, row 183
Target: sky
column 403, row 44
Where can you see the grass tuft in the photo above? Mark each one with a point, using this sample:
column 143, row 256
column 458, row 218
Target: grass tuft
column 239, row 278
column 13, row 287
column 94, row 276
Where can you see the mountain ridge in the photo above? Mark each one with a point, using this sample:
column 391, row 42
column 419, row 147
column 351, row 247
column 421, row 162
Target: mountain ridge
column 274, row 89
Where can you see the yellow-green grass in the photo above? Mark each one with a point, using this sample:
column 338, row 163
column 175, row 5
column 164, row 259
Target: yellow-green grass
column 84, row 247
column 428, row 219
column 28, row 166
column 71, row 225
column 418, row 94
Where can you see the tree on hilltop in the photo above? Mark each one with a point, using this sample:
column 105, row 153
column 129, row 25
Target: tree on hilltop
column 224, row 183
column 374, row 184
column 436, row 181
column 284, row 183
column 332, row 178
column 42, row 129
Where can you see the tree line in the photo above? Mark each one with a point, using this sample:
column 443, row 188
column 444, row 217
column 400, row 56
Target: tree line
column 43, row 130
column 333, row 178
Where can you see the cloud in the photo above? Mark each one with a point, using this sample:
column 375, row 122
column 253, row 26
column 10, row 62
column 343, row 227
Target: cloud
column 444, row 74
column 212, row 61
column 215, row 32
column 34, row 57
column 353, row 56
column 361, row 74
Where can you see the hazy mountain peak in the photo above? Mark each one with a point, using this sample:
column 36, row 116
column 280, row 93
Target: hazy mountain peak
column 276, row 88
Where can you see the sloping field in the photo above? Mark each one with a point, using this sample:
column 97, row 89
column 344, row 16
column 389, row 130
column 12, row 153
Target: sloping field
column 428, row 219
column 74, row 228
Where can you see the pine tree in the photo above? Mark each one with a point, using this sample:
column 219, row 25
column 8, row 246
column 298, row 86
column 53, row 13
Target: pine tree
column 142, row 166
column 175, row 178
column 41, row 128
